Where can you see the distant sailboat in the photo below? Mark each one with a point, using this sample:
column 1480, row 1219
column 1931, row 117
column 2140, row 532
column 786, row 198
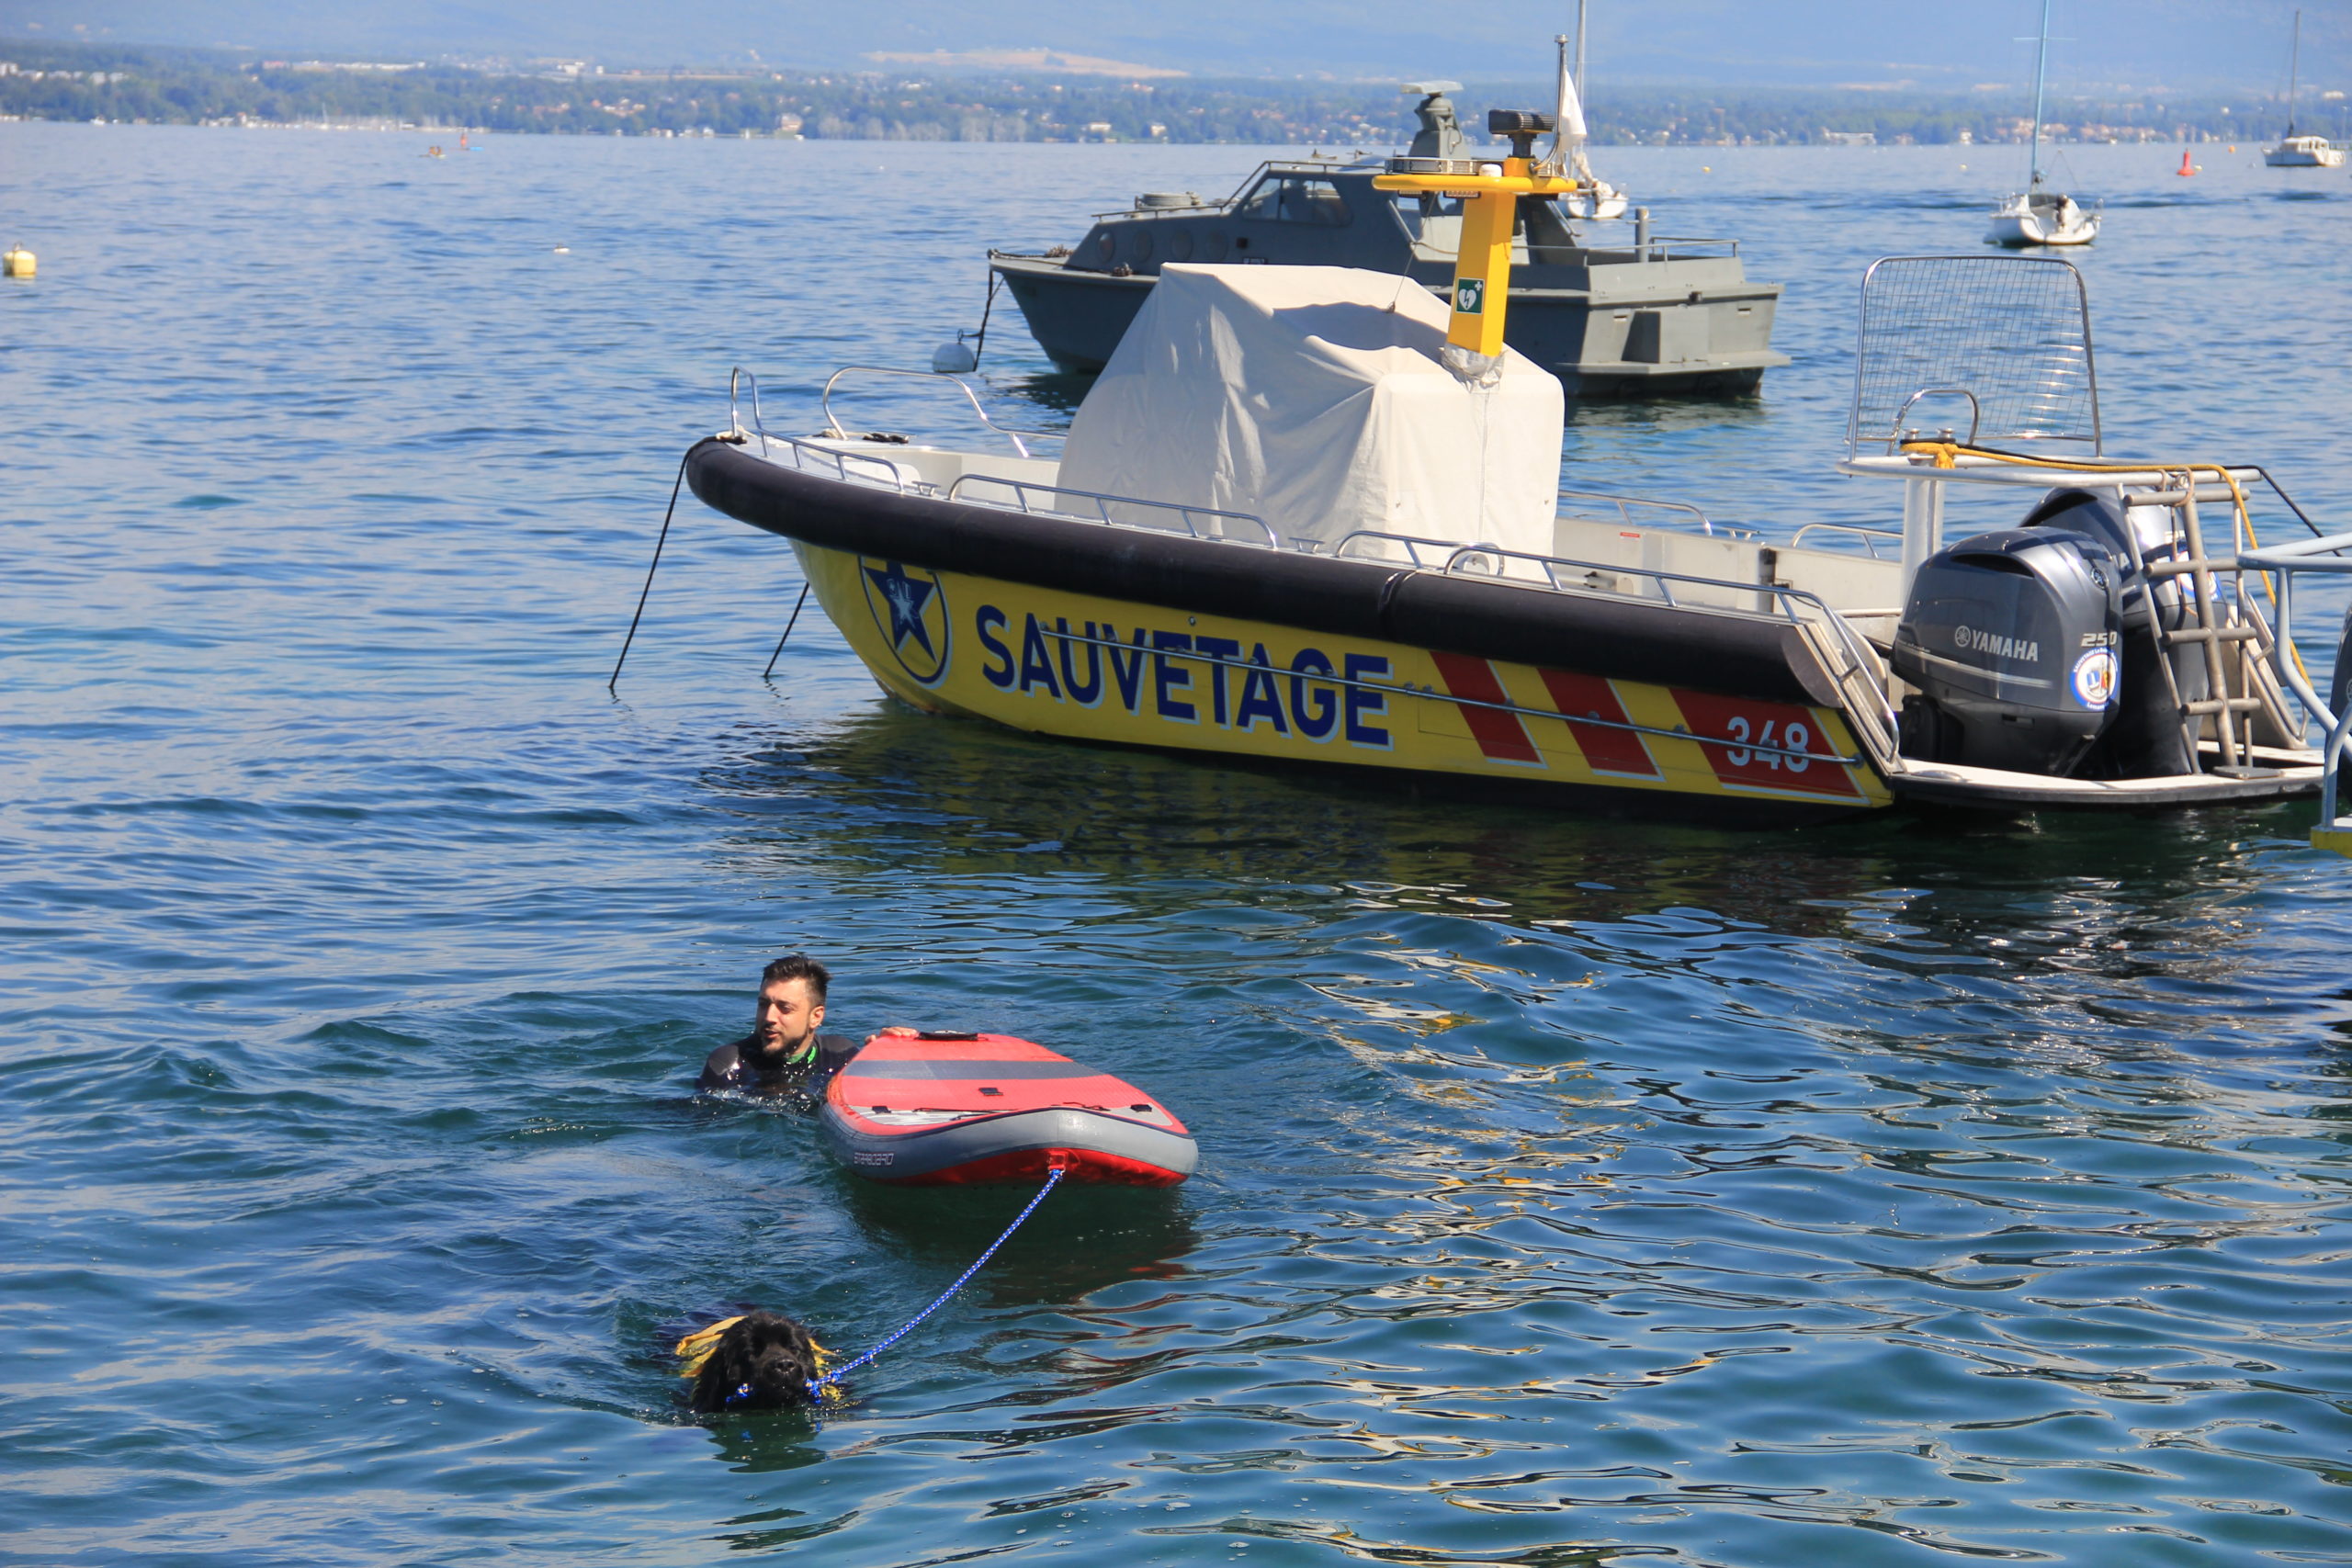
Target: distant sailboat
column 2038, row 215
column 2305, row 151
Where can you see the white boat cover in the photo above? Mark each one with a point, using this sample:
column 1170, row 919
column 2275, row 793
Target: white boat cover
column 1312, row 397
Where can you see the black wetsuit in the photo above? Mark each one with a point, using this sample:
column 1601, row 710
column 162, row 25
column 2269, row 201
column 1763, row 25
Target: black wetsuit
column 737, row 1067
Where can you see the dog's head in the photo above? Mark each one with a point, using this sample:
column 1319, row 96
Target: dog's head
column 763, row 1360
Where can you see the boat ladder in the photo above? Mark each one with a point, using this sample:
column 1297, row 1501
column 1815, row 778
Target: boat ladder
column 2244, row 703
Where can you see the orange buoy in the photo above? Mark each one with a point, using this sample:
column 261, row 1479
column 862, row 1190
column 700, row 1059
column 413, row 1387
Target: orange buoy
column 2187, row 168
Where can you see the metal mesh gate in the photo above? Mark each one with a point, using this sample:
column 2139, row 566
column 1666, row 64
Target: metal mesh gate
column 1996, row 349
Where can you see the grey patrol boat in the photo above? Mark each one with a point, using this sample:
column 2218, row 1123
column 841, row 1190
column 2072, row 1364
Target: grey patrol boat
column 1662, row 316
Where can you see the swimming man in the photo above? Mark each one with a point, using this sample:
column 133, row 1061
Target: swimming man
column 784, row 1053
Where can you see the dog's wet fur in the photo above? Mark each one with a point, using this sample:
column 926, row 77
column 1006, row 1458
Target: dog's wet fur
column 763, row 1361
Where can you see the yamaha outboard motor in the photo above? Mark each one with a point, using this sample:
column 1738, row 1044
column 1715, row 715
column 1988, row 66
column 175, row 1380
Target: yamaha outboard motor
column 2146, row 738
column 2010, row 638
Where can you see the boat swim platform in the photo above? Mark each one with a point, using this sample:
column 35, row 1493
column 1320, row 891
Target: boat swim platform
column 2278, row 774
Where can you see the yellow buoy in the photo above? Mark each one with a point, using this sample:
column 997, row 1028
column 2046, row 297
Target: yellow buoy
column 17, row 262
column 2336, row 836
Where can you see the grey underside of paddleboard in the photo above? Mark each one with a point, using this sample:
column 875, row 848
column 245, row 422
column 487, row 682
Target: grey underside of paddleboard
column 895, row 1157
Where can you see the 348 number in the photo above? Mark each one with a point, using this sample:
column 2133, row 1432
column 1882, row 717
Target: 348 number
column 1797, row 737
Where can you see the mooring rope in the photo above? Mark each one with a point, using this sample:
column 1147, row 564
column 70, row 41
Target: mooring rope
column 646, row 592
column 817, row 1385
column 787, row 632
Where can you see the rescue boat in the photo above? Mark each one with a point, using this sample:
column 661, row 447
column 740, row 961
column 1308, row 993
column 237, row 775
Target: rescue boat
column 928, row 1109
column 1313, row 516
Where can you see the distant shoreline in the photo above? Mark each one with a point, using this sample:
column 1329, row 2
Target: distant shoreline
column 88, row 82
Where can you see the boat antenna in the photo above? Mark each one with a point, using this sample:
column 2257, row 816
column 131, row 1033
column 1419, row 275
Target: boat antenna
column 2040, row 65
column 1559, row 159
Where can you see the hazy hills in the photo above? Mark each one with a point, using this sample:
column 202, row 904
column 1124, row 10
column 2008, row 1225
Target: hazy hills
column 2187, row 46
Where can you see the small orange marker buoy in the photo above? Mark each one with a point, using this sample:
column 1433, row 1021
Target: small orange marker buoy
column 2187, row 168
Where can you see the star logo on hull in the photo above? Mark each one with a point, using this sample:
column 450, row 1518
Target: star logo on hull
column 905, row 597
column 910, row 609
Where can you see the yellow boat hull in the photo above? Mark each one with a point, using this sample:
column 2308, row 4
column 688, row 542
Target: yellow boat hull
column 1110, row 671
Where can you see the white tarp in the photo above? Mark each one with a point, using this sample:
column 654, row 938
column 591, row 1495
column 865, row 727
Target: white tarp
column 1312, row 397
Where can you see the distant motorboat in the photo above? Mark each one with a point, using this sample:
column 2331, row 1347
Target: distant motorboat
column 2038, row 215
column 1657, row 317
column 2306, row 150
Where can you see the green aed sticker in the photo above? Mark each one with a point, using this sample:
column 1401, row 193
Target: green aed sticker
column 1470, row 296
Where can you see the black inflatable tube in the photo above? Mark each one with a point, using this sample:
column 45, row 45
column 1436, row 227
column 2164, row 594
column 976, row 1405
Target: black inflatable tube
column 1628, row 639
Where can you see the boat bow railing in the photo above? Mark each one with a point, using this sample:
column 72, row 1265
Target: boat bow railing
column 853, row 468
column 1015, row 435
column 737, row 379
column 1193, row 518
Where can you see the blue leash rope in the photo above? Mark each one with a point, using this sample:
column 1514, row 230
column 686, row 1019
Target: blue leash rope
column 817, row 1385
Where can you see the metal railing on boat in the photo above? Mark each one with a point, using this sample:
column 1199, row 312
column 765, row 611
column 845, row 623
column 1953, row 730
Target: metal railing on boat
column 1626, row 503
column 2325, row 554
column 850, row 468
column 1870, row 536
column 738, row 378
column 833, row 425
column 1024, row 489
column 860, row 467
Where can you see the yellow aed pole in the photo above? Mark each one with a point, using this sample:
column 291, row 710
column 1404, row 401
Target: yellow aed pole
column 1489, row 190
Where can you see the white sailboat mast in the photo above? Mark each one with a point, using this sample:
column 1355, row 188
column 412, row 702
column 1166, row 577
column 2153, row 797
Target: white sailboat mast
column 2040, row 67
column 1580, row 5
column 2294, row 63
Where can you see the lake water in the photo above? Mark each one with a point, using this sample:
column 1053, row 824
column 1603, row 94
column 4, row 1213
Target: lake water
column 1571, row 1193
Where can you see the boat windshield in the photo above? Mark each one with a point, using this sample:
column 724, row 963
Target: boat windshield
column 1436, row 221
column 1415, row 212
column 1294, row 199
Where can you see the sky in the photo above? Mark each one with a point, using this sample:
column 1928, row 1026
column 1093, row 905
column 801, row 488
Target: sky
column 2189, row 47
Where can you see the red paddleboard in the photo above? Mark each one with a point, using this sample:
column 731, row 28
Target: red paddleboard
column 917, row 1109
